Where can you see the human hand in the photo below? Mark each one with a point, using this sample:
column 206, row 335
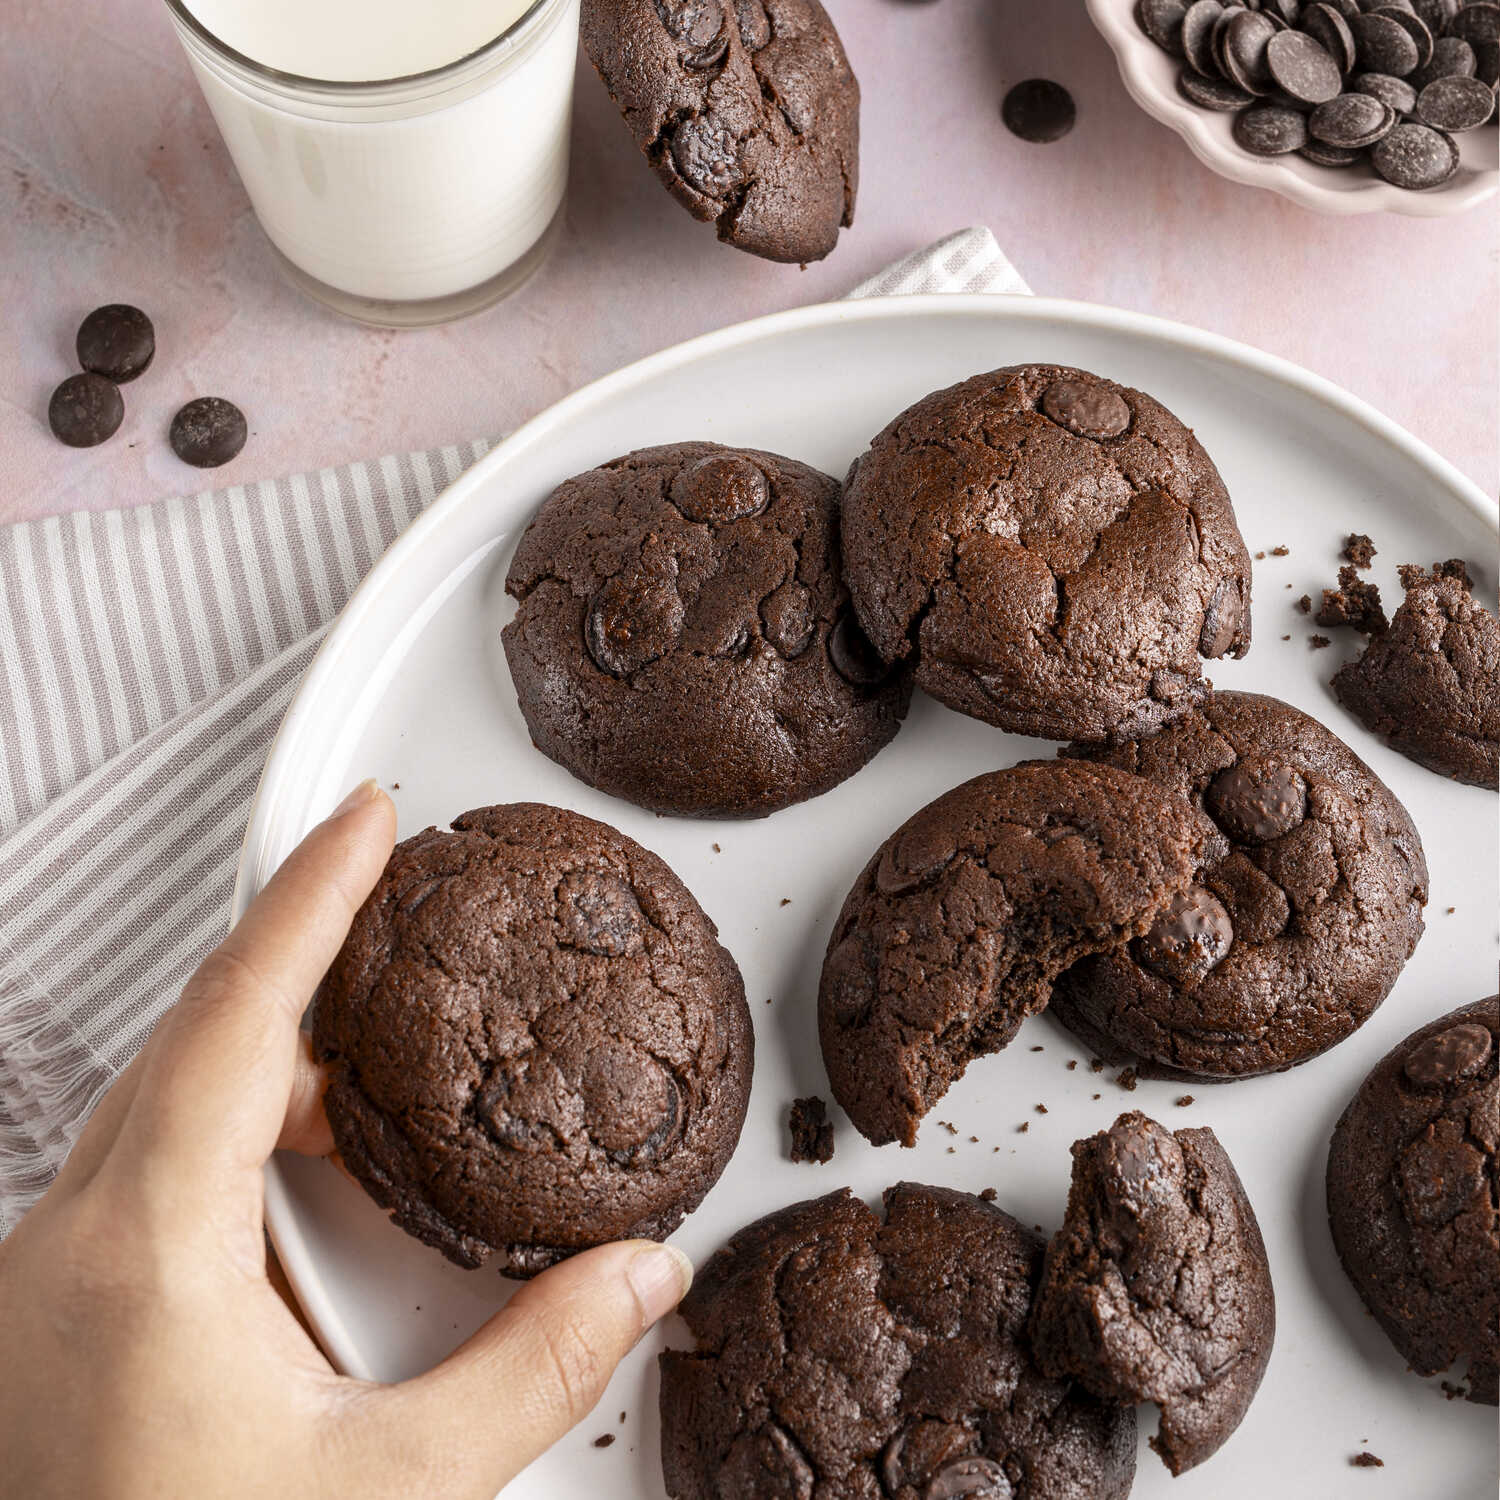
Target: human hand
column 145, row 1352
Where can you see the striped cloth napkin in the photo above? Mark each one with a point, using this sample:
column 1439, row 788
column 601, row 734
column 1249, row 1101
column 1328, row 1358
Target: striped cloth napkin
column 146, row 659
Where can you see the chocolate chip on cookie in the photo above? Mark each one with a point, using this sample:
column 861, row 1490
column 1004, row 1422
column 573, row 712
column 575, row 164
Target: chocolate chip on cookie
column 1157, row 1288
column 684, row 638
column 1412, row 1185
column 747, row 111
column 534, row 1041
column 841, row 1355
column 1299, row 930
column 1052, row 550
column 958, row 926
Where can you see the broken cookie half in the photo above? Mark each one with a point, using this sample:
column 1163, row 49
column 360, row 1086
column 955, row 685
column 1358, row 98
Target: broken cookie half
column 957, row 928
column 1157, row 1288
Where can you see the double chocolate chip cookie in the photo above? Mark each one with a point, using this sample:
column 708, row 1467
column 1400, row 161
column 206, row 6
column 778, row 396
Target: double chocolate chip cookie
column 1053, row 550
column 1156, row 1288
column 957, row 928
column 1412, row 1191
column 1286, row 944
column 684, row 638
column 1430, row 683
column 535, row 1043
column 747, row 110
column 847, row 1358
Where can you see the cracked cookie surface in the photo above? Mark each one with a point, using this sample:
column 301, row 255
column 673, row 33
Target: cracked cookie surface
column 1052, row 549
column 1287, row 944
column 535, row 1043
column 1430, row 683
column 1157, row 1288
column 844, row 1357
column 1412, row 1195
column 747, row 110
column 684, row 638
column 956, row 929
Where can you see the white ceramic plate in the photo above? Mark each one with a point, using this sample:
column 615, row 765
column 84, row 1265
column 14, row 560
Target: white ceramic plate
column 1150, row 76
column 411, row 687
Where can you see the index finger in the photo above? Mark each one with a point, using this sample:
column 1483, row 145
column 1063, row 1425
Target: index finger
column 215, row 1091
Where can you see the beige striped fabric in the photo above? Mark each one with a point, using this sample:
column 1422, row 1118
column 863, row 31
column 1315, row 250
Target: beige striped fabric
column 146, row 659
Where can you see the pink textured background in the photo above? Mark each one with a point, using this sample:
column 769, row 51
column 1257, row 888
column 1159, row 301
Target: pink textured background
column 114, row 187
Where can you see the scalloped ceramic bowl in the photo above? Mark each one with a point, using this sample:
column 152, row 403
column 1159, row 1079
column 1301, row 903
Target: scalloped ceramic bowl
column 1150, row 76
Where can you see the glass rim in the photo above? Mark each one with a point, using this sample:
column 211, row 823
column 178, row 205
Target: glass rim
column 347, row 87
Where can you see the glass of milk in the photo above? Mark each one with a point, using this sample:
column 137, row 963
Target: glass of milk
column 406, row 160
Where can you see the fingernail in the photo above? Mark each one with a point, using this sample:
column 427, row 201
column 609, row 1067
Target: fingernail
column 660, row 1276
column 360, row 795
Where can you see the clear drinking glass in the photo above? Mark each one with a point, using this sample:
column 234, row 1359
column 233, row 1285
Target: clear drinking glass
column 407, row 201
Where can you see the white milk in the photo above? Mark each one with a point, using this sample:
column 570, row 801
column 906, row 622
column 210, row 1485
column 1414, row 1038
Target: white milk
column 416, row 191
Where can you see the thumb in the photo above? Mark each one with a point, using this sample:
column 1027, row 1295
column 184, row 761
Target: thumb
column 540, row 1364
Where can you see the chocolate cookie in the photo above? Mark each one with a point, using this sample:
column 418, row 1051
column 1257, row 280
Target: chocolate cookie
column 846, row 1358
column 747, row 110
column 957, row 928
column 1052, row 549
column 1156, row 1288
column 1412, row 1184
column 1289, row 942
column 685, row 639
column 1430, row 684
column 535, row 1043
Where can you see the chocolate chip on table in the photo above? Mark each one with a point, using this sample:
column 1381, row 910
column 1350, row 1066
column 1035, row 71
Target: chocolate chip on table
column 208, row 432
column 116, row 341
column 1351, row 121
column 1395, row 93
column 85, row 410
column 1039, row 110
column 1455, row 104
column 1303, row 67
column 1416, row 157
column 1271, row 130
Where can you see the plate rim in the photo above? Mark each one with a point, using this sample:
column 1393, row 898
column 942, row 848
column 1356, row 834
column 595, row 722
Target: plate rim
column 282, row 1224
column 1135, row 56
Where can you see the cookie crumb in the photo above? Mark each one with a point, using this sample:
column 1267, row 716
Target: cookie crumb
column 1355, row 603
column 1452, row 1392
column 604, row 1439
column 1260, row 557
column 1305, row 604
column 395, row 786
column 716, row 849
column 1096, row 1096
column 1038, row 1049
column 1021, row 1129
column 1358, row 549
column 1317, row 642
column 786, row 900
column 1183, row 1100
column 1286, row 637
column 1072, row 1063
column 949, row 1126
column 1096, row 1065
column 1126, row 1078
column 1041, row 1109
column 1280, row 551
column 1367, row 1460
column 812, row 1135
column 973, row 1140
column 952, row 1150
column 1451, row 910
column 989, row 1194
column 622, row 1417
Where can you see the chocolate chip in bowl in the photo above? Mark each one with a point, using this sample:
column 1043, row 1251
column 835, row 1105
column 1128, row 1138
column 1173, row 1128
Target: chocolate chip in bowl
column 1266, row 61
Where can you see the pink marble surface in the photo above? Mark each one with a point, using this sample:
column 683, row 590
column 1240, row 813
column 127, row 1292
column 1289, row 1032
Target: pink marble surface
column 114, row 186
